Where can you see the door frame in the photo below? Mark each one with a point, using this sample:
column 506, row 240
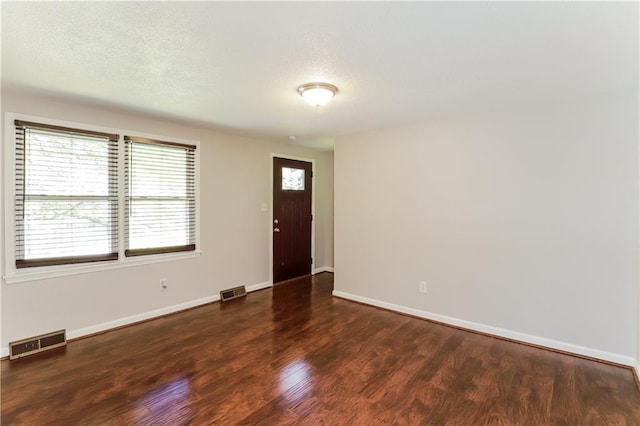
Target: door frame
column 313, row 209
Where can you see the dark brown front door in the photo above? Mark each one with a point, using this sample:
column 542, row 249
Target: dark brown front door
column 291, row 219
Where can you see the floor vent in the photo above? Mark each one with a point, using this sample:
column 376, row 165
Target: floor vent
column 36, row 344
column 233, row 293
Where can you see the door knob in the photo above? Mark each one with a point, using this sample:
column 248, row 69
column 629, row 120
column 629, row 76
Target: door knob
column 276, row 229
column 275, row 221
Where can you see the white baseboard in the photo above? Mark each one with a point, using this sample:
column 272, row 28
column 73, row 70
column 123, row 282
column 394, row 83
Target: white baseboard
column 323, row 269
column 105, row 326
column 259, row 286
column 74, row 334
column 500, row 332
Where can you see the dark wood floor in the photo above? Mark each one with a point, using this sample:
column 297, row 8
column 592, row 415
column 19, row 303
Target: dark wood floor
column 295, row 355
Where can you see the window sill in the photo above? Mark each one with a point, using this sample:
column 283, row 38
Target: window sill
column 45, row 273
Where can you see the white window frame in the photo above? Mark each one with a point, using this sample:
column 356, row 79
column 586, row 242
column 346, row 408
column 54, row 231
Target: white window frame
column 12, row 275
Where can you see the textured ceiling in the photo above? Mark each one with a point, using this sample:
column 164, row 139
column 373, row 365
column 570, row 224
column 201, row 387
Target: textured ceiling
column 236, row 66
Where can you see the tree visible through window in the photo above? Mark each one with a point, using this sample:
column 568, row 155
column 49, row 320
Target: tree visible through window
column 69, row 187
column 66, row 195
column 159, row 196
column 292, row 179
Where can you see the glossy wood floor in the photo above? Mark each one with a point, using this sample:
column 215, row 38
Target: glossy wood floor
column 295, row 355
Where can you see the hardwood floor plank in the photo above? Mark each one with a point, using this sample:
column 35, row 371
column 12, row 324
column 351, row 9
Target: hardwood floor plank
column 296, row 355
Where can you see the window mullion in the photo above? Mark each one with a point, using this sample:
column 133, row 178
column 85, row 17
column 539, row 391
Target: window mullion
column 72, row 197
column 122, row 220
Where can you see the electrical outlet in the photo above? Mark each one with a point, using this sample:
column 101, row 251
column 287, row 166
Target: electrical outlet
column 422, row 288
column 164, row 284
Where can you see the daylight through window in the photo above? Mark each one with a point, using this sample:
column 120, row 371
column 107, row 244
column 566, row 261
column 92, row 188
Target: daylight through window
column 66, row 195
column 292, row 179
column 159, row 196
column 77, row 191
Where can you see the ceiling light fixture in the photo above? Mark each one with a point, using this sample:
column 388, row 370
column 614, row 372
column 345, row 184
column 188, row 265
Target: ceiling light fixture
column 317, row 94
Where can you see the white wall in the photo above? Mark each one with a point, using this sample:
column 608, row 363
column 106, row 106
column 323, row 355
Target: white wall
column 523, row 224
column 324, row 228
column 234, row 182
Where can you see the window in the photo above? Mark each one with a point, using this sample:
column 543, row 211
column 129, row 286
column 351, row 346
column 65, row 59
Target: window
column 66, row 195
column 84, row 199
column 159, row 196
column 292, row 179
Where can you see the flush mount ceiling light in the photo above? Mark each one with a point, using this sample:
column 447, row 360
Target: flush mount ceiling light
column 317, row 94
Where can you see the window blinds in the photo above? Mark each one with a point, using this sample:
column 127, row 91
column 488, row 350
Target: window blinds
column 159, row 196
column 66, row 201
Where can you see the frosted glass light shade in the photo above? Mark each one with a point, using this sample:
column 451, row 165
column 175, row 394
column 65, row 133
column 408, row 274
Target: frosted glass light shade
column 317, row 94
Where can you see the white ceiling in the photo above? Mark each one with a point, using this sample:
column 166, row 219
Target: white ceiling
column 236, row 66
